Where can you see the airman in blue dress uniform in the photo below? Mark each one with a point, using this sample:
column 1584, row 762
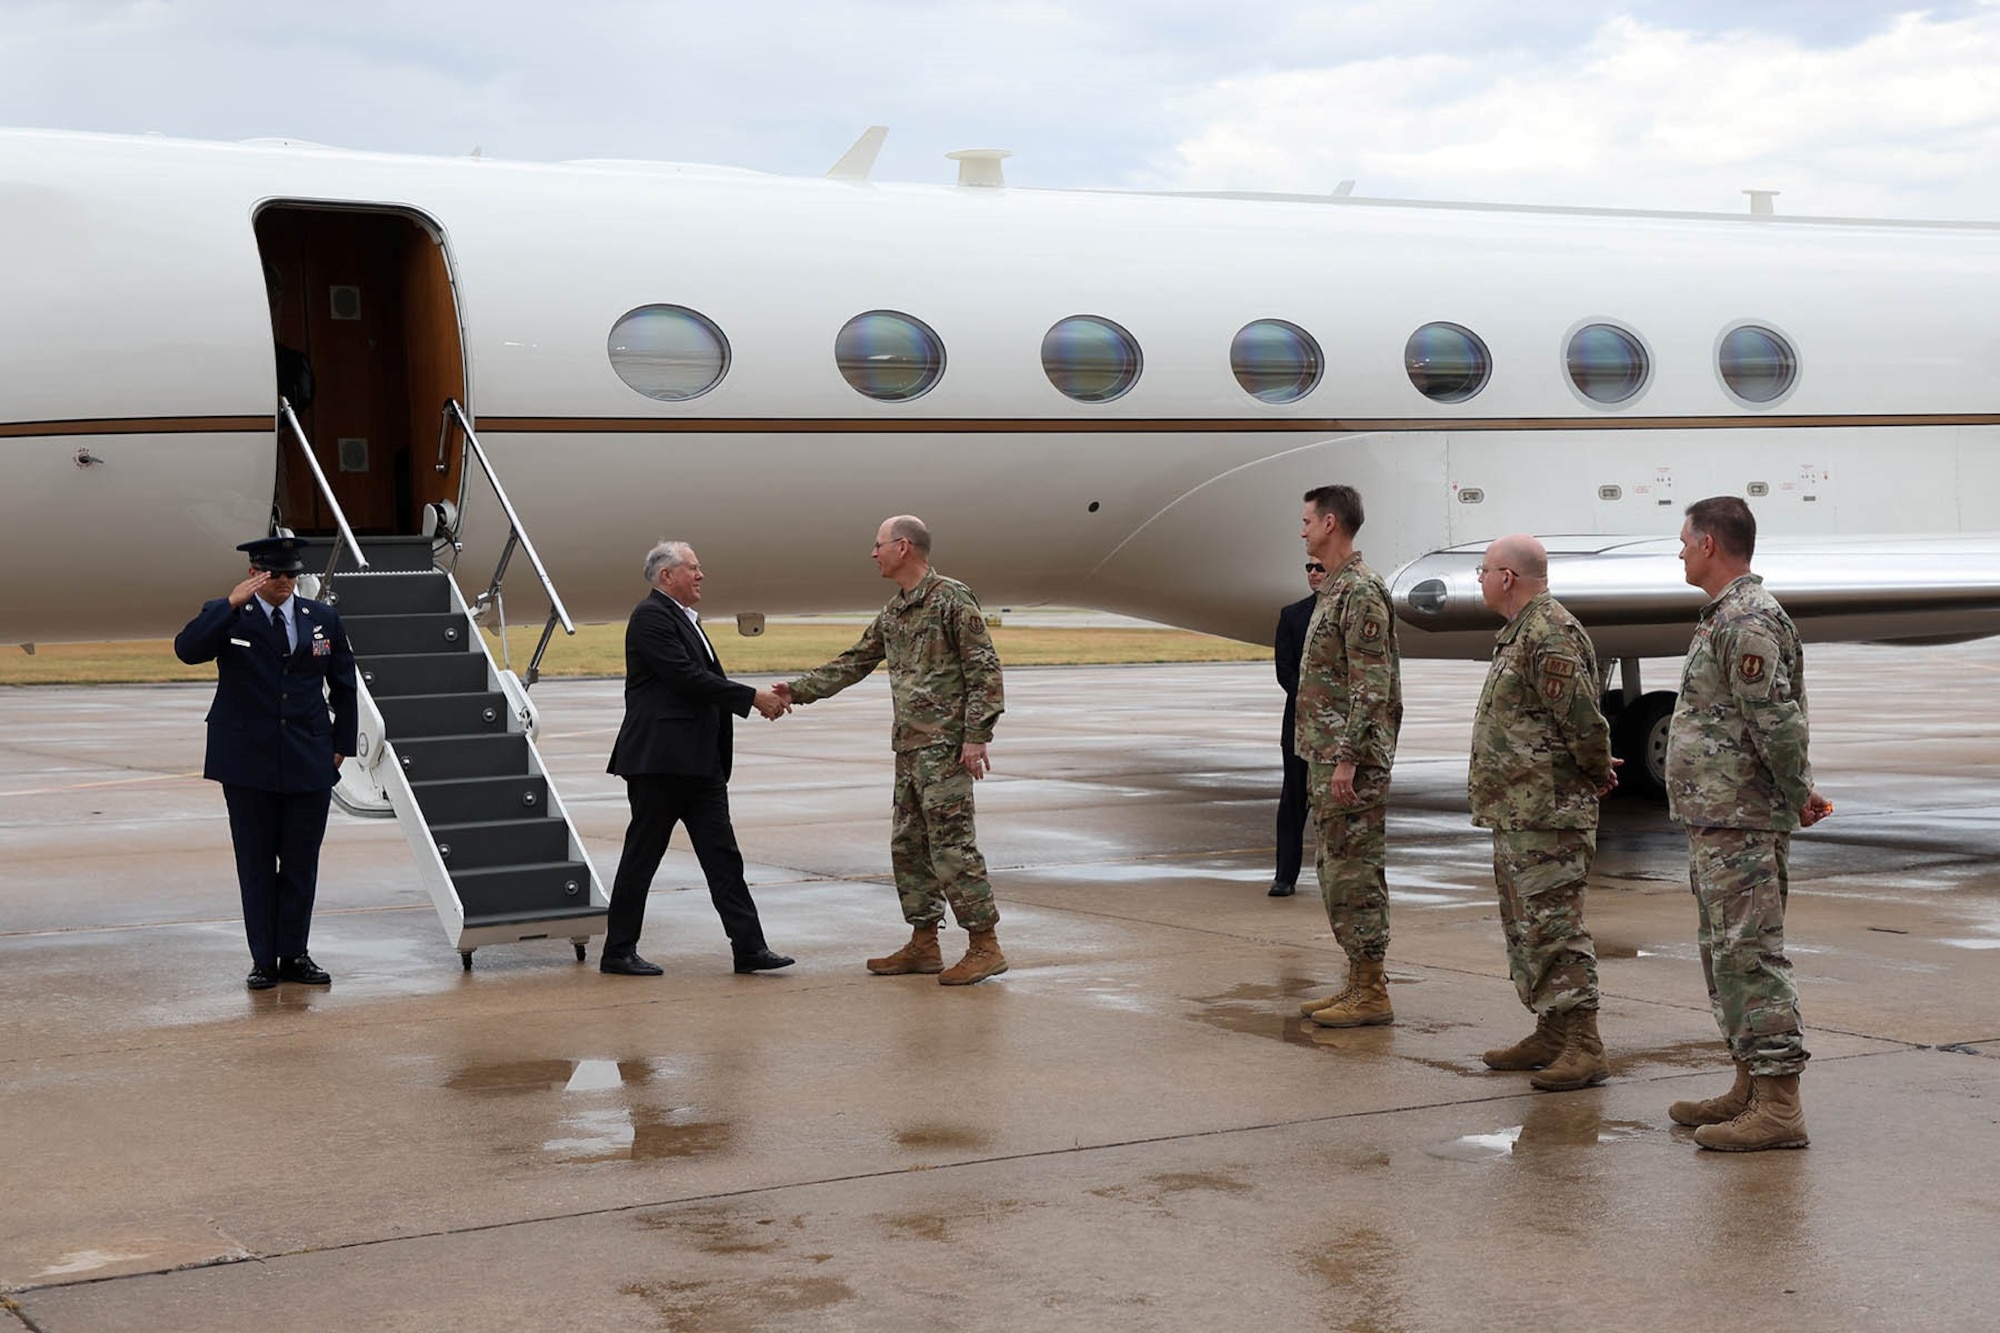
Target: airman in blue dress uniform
column 283, row 719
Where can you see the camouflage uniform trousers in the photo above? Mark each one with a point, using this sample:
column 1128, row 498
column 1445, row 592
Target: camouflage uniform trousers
column 1541, row 875
column 1351, row 856
column 1740, row 880
column 931, row 842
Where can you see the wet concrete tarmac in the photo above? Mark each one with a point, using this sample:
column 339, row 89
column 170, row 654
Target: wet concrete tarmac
column 1131, row 1129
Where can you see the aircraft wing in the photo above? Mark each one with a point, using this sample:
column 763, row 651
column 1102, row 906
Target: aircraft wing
column 1631, row 594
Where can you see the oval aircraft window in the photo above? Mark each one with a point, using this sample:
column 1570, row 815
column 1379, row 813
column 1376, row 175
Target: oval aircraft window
column 1606, row 364
column 888, row 356
column 1757, row 365
column 1447, row 363
column 1089, row 359
column 1275, row 362
column 668, row 352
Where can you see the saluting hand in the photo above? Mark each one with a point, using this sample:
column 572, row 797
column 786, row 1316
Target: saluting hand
column 240, row 595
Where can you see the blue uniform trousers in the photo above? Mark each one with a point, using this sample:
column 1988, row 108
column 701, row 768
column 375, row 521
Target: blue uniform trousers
column 277, row 836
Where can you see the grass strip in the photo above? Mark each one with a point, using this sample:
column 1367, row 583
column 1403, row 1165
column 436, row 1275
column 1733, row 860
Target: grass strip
column 599, row 650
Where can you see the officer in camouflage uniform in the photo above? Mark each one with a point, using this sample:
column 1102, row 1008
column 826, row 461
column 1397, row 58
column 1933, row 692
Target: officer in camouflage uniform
column 944, row 677
column 1541, row 757
column 1349, row 711
column 1739, row 779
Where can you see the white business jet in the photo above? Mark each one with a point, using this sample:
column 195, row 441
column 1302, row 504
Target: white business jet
column 1097, row 398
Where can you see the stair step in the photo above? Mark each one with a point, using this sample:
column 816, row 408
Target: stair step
column 434, row 758
column 415, row 716
column 481, row 800
column 434, row 632
column 385, row 554
column 580, row 919
column 372, row 594
column 392, row 674
column 485, row 844
column 522, row 888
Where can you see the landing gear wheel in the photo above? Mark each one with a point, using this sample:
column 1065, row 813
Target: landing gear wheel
column 465, row 959
column 1639, row 737
column 582, row 950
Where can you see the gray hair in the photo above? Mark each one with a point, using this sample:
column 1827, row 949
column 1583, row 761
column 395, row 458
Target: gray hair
column 910, row 528
column 665, row 555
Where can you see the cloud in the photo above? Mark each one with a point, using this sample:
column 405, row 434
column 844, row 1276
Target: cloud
column 1906, row 119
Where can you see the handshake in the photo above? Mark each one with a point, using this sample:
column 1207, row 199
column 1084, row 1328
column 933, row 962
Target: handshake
column 775, row 702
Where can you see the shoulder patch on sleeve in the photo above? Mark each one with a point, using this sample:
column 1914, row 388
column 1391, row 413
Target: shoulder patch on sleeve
column 975, row 622
column 1750, row 666
column 1564, row 667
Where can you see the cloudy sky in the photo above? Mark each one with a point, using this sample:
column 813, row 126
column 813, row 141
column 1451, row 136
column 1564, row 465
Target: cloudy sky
column 1845, row 106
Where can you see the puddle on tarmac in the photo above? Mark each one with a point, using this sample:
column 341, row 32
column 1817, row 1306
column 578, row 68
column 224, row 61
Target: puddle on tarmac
column 512, row 1076
column 552, row 1075
column 1548, row 1125
column 618, row 1134
column 1681, row 1055
column 1272, row 1010
column 1972, row 944
column 946, row 1137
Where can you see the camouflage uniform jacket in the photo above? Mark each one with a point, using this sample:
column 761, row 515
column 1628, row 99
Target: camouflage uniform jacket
column 1736, row 754
column 1350, row 674
column 944, row 675
column 1540, row 745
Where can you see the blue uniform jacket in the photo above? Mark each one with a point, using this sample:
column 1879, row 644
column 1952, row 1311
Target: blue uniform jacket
column 269, row 727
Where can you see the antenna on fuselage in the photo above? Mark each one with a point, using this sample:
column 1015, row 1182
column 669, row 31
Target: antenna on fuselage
column 980, row 166
column 1342, row 190
column 1760, row 203
column 858, row 161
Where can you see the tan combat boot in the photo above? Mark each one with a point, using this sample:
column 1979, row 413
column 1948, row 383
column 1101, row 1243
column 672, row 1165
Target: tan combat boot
column 1716, row 1110
column 1366, row 1004
column 982, row 959
column 1775, row 1120
column 1533, row 1051
column 1311, row 1007
column 1582, row 1060
column 919, row 955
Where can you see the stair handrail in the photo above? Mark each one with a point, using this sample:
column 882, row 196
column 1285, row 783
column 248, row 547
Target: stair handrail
column 286, row 417
column 517, row 535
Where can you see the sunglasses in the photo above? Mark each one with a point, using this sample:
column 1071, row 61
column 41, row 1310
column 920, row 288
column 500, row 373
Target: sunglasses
column 281, row 573
column 1315, row 567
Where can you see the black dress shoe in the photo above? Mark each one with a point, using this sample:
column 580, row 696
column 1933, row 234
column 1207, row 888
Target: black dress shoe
column 304, row 971
column 628, row 965
column 1280, row 889
column 261, row 978
column 762, row 961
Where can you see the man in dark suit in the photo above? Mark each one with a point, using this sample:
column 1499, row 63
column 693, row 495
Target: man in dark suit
column 280, row 660
column 674, row 753
column 1290, row 642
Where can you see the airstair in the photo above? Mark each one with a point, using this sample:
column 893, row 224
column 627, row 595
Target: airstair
column 447, row 733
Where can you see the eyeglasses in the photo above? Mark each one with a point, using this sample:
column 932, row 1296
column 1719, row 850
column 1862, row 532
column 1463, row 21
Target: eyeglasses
column 281, row 573
column 1315, row 567
column 1481, row 571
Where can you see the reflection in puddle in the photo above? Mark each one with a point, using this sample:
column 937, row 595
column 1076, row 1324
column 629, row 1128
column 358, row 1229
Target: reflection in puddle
column 617, row 1134
column 1261, row 1010
column 1972, row 944
column 1548, row 1125
column 594, row 1076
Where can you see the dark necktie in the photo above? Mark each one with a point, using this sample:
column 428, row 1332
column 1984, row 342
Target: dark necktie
column 278, row 623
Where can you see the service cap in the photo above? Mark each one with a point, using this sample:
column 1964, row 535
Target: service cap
column 276, row 555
